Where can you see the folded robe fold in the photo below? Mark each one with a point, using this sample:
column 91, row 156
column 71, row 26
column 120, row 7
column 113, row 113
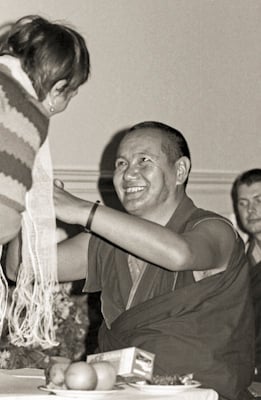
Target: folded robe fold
column 205, row 328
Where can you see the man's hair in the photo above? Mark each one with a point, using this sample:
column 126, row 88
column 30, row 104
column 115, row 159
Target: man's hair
column 48, row 52
column 174, row 145
column 246, row 178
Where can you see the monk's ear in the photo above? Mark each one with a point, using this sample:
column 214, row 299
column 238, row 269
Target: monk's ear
column 182, row 167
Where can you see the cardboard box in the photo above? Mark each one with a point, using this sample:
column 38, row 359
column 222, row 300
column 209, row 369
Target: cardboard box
column 129, row 363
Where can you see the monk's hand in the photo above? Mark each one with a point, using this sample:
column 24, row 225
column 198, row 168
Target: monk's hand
column 69, row 208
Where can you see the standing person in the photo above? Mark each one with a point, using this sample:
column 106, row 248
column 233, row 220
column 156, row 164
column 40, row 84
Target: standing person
column 173, row 277
column 246, row 197
column 42, row 65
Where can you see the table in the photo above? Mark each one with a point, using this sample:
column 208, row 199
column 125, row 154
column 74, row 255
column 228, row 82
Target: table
column 24, row 383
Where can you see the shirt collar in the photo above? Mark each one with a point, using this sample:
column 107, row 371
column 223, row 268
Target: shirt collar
column 181, row 214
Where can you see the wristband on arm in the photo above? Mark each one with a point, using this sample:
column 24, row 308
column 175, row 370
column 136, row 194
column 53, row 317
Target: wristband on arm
column 88, row 226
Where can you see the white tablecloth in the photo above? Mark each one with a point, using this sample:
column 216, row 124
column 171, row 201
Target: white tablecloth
column 24, row 384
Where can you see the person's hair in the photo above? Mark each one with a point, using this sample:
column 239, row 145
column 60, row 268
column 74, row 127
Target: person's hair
column 48, row 52
column 173, row 144
column 246, row 178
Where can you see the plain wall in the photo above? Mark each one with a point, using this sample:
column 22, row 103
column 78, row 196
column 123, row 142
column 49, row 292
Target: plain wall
column 192, row 64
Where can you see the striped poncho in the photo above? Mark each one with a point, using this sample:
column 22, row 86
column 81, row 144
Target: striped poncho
column 26, row 186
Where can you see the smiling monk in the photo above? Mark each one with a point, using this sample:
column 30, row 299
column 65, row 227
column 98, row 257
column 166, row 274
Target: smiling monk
column 173, row 277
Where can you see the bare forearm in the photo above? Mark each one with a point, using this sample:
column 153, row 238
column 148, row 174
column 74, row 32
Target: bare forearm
column 150, row 241
column 145, row 239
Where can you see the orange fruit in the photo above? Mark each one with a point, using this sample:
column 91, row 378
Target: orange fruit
column 106, row 375
column 80, row 376
column 56, row 373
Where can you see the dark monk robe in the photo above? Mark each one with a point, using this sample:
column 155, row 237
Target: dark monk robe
column 202, row 327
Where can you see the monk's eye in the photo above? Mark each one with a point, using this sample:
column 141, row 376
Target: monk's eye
column 120, row 163
column 145, row 160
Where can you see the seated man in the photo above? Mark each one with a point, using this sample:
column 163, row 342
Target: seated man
column 173, row 277
column 246, row 196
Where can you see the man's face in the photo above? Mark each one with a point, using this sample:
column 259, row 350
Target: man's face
column 143, row 179
column 249, row 207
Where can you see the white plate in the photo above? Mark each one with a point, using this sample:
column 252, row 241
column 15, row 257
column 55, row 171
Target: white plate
column 164, row 389
column 95, row 394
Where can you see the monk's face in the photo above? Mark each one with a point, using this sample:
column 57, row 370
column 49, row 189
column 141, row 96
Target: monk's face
column 249, row 208
column 144, row 180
